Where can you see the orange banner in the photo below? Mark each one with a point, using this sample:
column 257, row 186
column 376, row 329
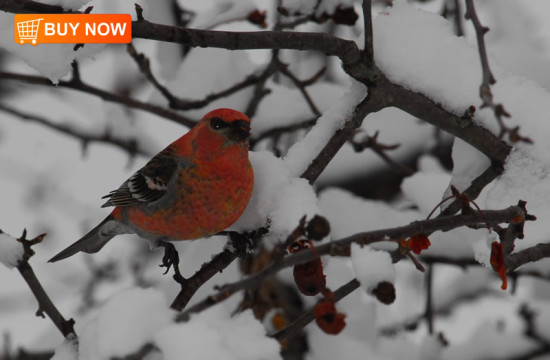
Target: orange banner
column 72, row 28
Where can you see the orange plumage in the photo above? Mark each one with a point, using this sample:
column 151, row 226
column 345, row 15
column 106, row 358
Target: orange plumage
column 196, row 187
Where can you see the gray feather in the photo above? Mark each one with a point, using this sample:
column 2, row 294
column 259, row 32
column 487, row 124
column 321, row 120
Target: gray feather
column 94, row 240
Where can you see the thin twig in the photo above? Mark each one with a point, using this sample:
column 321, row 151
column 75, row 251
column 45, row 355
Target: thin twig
column 281, row 25
column 413, row 322
column 429, row 299
column 476, row 186
column 105, row 95
column 367, row 28
column 131, row 146
column 260, row 90
column 371, row 142
column 307, row 317
column 452, row 10
column 277, row 131
column 488, row 78
column 183, row 104
column 143, row 63
column 302, row 84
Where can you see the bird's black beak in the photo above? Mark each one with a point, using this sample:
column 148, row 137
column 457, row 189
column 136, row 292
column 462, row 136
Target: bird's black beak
column 240, row 130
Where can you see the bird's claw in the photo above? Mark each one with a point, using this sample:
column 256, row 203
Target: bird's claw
column 171, row 256
column 171, row 259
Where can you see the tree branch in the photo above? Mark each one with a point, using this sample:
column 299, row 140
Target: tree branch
column 532, row 254
column 371, row 142
column 426, row 109
column 488, row 78
column 346, row 50
column 478, row 184
column 307, row 317
column 183, row 104
column 370, row 104
column 105, row 95
column 367, row 28
column 29, row 7
column 45, row 305
column 392, row 234
column 217, row 264
column 131, row 146
column 301, row 85
column 429, row 311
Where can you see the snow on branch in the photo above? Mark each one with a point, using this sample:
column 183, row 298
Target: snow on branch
column 444, row 223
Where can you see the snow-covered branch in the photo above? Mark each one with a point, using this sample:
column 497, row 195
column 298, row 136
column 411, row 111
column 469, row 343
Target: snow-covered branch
column 444, row 223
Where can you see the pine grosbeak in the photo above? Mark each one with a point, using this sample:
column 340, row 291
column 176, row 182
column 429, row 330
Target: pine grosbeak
column 196, row 187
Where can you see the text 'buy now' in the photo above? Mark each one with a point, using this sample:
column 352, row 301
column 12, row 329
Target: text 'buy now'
column 94, row 29
column 72, row 28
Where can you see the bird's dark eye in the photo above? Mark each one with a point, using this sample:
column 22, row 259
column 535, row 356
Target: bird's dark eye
column 217, row 123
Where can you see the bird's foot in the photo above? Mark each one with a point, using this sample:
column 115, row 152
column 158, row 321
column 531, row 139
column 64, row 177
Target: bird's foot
column 170, row 259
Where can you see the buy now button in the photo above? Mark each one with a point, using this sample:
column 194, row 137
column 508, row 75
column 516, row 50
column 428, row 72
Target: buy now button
column 72, row 28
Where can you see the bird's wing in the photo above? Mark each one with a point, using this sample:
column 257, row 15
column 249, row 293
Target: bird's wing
column 147, row 184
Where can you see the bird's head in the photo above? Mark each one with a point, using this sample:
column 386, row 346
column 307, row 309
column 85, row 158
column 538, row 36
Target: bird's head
column 232, row 125
column 220, row 130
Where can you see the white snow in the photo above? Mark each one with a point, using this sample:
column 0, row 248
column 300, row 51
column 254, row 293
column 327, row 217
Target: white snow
column 371, row 267
column 132, row 317
column 394, row 127
column 215, row 334
column 467, row 165
column 301, row 154
column 491, row 340
column 276, row 196
column 205, row 72
column 11, row 251
column 409, row 43
column 431, row 348
column 67, row 350
column 223, row 12
column 349, row 214
column 269, row 115
column 425, row 187
column 542, row 318
column 482, row 249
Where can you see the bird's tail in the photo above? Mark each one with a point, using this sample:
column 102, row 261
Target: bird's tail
column 94, row 240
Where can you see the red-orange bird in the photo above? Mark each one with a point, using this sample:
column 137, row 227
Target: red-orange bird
column 196, row 187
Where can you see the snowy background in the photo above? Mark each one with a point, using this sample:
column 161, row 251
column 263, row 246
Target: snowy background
column 51, row 183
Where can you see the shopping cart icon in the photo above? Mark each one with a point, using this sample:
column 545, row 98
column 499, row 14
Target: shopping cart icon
column 28, row 31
